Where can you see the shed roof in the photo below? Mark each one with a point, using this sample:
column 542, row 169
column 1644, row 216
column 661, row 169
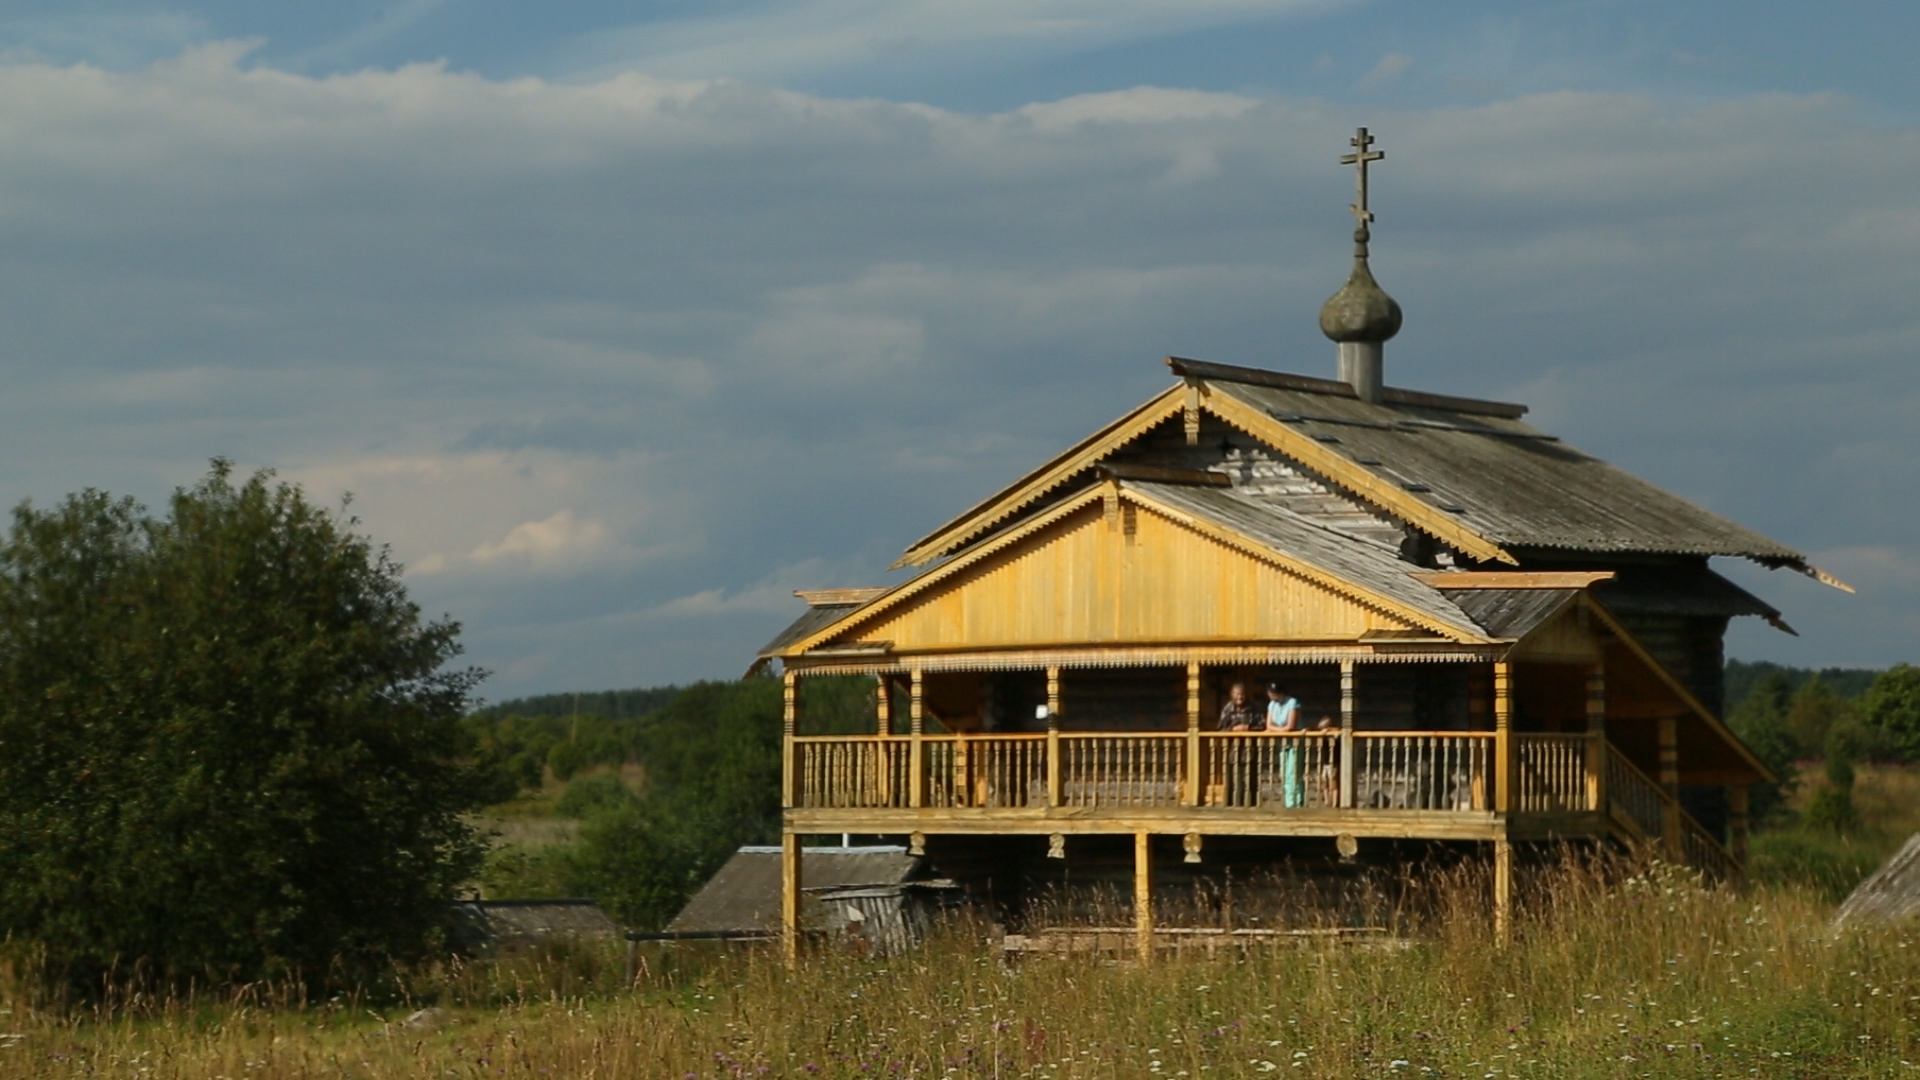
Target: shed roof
column 745, row 893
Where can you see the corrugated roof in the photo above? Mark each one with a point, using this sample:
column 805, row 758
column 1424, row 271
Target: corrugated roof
column 1659, row 591
column 1511, row 613
column 745, row 893
column 1505, row 480
column 1365, row 564
column 491, row 921
column 814, row 618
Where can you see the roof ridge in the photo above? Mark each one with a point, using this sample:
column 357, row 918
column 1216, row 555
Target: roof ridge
column 1312, row 384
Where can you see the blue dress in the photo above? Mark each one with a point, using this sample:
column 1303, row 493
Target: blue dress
column 1279, row 714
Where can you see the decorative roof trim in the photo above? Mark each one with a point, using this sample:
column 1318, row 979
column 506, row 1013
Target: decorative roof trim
column 1170, row 655
column 1024, row 491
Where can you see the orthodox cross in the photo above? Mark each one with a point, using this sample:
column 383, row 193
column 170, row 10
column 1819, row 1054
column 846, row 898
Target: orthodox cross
column 1359, row 158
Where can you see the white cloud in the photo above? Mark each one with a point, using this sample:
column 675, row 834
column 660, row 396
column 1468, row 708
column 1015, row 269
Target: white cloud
column 593, row 358
column 773, row 42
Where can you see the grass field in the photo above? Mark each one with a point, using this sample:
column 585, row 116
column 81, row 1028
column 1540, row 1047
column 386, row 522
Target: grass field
column 1609, row 976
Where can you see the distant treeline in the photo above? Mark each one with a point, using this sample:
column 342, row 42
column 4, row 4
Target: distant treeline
column 1742, row 677
column 612, row 704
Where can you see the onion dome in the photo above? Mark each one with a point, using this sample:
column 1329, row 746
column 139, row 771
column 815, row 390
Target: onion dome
column 1361, row 311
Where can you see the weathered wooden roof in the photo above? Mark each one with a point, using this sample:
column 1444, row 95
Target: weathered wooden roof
column 487, row 922
column 745, row 893
column 1370, row 566
column 1504, row 479
column 1891, row 894
column 816, row 617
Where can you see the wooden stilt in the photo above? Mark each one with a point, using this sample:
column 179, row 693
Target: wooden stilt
column 790, row 897
column 1737, row 825
column 1142, row 898
column 1502, row 891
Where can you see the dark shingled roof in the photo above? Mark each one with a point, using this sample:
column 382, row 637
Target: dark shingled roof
column 1368, row 565
column 1658, row 591
column 745, row 893
column 1503, row 479
column 485, row 922
column 814, row 618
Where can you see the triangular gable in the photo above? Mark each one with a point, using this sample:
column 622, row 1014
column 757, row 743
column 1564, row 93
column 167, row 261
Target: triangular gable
column 1113, row 565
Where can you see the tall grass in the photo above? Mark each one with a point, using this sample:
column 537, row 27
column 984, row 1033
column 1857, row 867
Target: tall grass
column 1609, row 975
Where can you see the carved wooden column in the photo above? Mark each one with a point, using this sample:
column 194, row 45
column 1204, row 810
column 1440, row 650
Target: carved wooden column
column 1502, row 737
column 1596, row 737
column 883, row 727
column 1670, row 783
column 789, row 750
column 917, row 751
column 1346, row 733
column 1192, row 796
column 1054, row 770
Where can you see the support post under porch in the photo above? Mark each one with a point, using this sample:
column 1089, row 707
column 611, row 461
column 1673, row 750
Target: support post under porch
column 1143, row 897
column 1502, row 891
column 790, row 898
column 1738, row 818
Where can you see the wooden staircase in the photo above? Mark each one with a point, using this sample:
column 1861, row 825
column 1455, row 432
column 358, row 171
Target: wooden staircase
column 1643, row 815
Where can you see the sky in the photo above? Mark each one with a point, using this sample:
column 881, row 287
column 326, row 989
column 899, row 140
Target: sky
column 621, row 322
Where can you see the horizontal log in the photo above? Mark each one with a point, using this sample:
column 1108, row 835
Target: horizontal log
column 1210, row 821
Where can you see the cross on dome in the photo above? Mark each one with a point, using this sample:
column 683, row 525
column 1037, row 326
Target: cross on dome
column 1360, row 159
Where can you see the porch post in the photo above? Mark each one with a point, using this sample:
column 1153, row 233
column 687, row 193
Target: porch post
column 1596, row 736
column 790, row 897
column 1192, row 794
column 1053, row 737
column 1346, row 733
column 1142, row 898
column 1737, row 825
column 1502, row 736
column 789, row 750
column 917, row 752
column 883, row 728
column 1670, row 783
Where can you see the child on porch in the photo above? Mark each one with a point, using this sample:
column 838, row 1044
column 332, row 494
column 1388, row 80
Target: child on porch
column 1283, row 712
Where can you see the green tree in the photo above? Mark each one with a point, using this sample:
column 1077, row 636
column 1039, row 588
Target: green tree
column 1832, row 806
column 1891, row 706
column 1813, row 712
column 1761, row 722
column 230, row 746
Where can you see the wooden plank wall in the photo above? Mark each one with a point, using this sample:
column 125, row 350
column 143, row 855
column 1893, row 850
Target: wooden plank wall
column 1091, row 580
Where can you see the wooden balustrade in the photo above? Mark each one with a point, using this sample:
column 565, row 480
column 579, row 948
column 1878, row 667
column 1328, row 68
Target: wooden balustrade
column 851, row 772
column 1274, row 770
column 1553, row 774
column 1000, row 771
column 1633, row 798
column 1429, row 770
column 1643, row 806
column 1135, row 770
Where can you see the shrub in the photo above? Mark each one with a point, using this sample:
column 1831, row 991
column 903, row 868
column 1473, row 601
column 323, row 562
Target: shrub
column 589, row 795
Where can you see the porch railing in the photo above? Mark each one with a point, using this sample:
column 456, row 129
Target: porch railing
column 1556, row 773
column 1644, row 808
column 1431, row 770
column 1268, row 770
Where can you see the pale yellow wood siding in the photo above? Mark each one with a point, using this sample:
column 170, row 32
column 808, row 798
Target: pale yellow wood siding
column 1124, row 576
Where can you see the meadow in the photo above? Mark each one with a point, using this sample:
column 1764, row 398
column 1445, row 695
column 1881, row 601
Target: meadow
column 1612, row 973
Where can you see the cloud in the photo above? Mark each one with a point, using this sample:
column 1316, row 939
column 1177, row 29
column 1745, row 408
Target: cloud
column 778, row 42
column 1389, row 68
column 615, row 366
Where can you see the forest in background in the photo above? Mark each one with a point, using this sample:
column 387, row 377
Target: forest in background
column 635, row 797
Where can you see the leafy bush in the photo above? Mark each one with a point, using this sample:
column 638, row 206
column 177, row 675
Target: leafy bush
column 589, row 795
column 1892, row 706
